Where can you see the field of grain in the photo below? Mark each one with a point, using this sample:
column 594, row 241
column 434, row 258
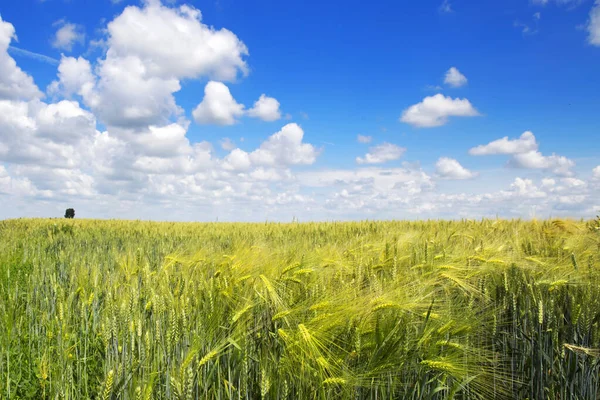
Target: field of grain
column 486, row 309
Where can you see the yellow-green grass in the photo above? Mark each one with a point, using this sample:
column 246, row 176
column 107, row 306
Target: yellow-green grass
column 359, row 310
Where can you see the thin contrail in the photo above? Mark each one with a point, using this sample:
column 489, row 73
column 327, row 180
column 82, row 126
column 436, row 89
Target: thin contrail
column 35, row 56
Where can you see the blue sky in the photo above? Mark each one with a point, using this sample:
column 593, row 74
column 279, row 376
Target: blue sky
column 106, row 117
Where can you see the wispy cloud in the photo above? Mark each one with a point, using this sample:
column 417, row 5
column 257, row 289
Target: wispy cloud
column 445, row 7
column 35, row 56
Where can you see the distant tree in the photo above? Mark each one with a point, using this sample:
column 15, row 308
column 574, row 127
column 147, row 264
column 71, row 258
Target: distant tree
column 70, row 213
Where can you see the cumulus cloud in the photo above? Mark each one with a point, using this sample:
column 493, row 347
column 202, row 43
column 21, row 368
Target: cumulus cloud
column 524, row 144
column 67, row 35
column 593, row 25
column 524, row 154
column 454, row 78
column 218, row 106
column 596, row 172
column 436, row 110
column 227, row 144
column 558, row 165
column 14, row 83
column 382, row 153
column 265, row 108
column 65, row 122
column 238, row 160
column 526, row 188
column 364, row 139
column 449, row 168
column 149, row 51
column 285, row 148
column 144, row 162
column 44, row 134
column 157, row 35
column 74, row 77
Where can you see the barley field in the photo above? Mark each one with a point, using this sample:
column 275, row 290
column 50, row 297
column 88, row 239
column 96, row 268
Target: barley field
column 488, row 309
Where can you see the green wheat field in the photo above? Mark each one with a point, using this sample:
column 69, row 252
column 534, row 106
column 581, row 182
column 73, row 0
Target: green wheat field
column 487, row 309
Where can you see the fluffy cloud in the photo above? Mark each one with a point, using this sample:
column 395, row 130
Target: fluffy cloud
column 524, row 144
column 596, row 172
column 436, row 110
column 265, row 108
column 382, row 153
column 593, row 26
column 67, row 35
column 74, row 77
column 285, row 148
column 139, row 75
column 238, row 160
column 218, row 106
column 454, row 78
column 65, row 122
column 526, row 188
column 558, row 165
column 158, row 35
column 364, row 139
column 227, row 144
column 525, row 154
column 14, row 83
column 51, row 135
column 144, row 165
column 449, row 168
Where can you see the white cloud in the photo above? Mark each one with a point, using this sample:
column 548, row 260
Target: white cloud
column 285, row 148
column 265, row 108
column 593, row 26
column 33, row 55
column 526, row 188
column 548, row 182
column 238, row 160
column 364, row 139
column 52, row 135
column 382, row 153
column 573, row 183
column 158, row 35
column 160, row 141
column 525, row 154
column 227, row 144
column 454, row 78
column 371, row 181
column 218, row 106
column 74, row 77
column 558, row 165
column 525, row 143
column 149, row 51
column 145, row 165
column 65, row 122
column 14, row 83
column 450, row 168
column 68, row 35
column 435, row 110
